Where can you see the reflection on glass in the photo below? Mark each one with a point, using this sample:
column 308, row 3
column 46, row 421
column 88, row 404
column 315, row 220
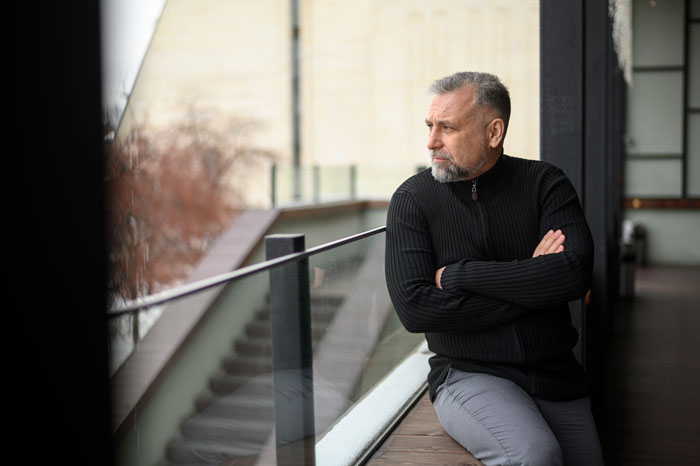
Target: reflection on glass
column 213, row 395
column 653, row 178
column 213, row 402
column 357, row 336
column 658, row 32
column 338, row 182
column 655, row 113
column 695, row 9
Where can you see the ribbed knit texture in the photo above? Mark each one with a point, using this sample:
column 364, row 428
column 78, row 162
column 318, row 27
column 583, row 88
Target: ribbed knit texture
column 500, row 311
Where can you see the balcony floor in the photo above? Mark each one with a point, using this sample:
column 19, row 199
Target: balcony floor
column 652, row 414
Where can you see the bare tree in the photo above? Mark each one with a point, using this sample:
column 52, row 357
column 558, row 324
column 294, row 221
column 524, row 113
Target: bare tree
column 170, row 194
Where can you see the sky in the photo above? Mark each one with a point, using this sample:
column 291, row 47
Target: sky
column 127, row 28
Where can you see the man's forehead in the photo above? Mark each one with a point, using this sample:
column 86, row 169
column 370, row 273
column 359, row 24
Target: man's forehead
column 452, row 104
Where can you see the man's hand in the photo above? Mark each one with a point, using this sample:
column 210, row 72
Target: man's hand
column 552, row 242
column 438, row 275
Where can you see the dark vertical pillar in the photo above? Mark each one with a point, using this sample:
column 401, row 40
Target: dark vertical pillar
column 581, row 132
column 561, row 87
column 562, row 107
column 54, row 181
column 615, row 160
column 290, row 320
column 597, row 183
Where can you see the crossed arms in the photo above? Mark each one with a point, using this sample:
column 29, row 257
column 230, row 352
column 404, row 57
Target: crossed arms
column 474, row 295
column 552, row 243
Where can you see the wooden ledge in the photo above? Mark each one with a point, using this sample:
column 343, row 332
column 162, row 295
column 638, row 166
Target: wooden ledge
column 420, row 439
column 662, row 203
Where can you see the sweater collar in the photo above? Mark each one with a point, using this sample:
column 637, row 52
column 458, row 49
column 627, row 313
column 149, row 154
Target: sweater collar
column 489, row 182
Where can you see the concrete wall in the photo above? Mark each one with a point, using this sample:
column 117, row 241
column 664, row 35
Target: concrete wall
column 673, row 236
column 365, row 68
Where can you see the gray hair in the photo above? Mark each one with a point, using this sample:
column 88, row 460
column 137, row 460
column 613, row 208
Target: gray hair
column 489, row 90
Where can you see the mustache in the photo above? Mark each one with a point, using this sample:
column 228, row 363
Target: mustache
column 441, row 154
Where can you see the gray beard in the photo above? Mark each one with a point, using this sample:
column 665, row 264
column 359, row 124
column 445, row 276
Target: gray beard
column 452, row 172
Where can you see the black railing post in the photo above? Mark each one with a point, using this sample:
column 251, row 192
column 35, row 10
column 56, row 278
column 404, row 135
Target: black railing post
column 290, row 321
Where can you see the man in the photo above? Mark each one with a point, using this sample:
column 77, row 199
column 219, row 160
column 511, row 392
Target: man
column 484, row 251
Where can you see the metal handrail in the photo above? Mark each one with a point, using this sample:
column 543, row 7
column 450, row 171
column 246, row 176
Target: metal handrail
column 201, row 285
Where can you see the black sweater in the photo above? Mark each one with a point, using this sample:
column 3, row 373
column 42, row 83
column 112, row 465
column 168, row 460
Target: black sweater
column 500, row 311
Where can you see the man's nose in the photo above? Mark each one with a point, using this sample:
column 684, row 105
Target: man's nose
column 433, row 140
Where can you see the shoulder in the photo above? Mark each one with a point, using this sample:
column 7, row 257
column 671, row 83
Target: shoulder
column 536, row 172
column 530, row 167
column 417, row 195
column 421, row 187
column 421, row 182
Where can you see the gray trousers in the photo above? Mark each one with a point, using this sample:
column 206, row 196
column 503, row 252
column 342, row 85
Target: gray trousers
column 500, row 424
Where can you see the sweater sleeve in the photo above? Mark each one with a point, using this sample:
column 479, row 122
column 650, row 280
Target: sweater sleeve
column 410, row 275
column 542, row 281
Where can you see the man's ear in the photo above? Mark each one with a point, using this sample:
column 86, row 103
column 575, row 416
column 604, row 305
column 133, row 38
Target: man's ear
column 495, row 131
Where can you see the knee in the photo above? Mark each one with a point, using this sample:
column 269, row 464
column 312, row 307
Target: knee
column 547, row 453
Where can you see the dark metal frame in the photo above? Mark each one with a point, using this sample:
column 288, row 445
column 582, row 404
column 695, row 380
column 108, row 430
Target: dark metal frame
column 686, row 129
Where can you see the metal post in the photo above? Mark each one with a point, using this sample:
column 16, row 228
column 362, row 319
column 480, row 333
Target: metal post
column 273, row 184
column 317, row 184
column 290, row 321
column 135, row 331
column 296, row 103
column 353, row 181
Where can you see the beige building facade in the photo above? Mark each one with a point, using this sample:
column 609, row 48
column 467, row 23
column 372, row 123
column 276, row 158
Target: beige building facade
column 365, row 66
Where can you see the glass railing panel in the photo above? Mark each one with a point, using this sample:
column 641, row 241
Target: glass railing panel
column 335, row 182
column 203, row 381
column 380, row 181
column 293, row 184
column 213, row 401
column 357, row 337
column 328, row 183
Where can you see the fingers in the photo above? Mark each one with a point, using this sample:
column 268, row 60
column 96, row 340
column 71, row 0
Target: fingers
column 551, row 243
column 540, row 247
column 438, row 276
column 556, row 244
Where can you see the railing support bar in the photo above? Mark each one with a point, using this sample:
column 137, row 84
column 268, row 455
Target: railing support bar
column 290, row 320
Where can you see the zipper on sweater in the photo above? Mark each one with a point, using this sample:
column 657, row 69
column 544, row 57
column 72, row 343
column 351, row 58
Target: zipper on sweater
column 485, row 236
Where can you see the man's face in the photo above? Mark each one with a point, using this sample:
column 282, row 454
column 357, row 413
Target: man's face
column 457, row 139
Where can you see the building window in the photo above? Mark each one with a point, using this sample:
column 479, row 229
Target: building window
column 663, row 102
